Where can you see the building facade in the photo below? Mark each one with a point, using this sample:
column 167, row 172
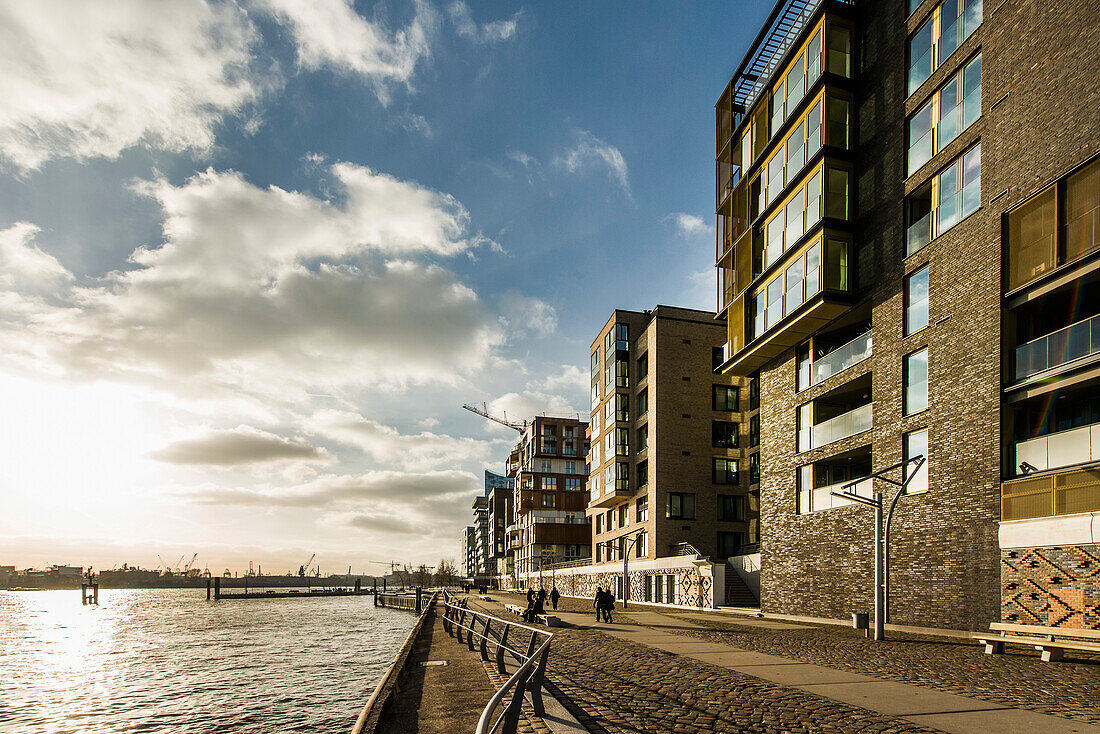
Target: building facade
column 907, row 266
column 547, row 522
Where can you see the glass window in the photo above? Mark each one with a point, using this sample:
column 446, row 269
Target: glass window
column 1081, row 234
column 642, row 509
column 836, row 193
column 813, row 60
column 622, row 407
column 920, row 137
column 731, row 507
column 680, row 506
column 949, row 197
column 622, row 373
column 549, row 500
column 754, row 430
column 775, row 302
column 596, row 364
column 549, row 483
column 725, row 471
column 839, row 52
column 572, row 484
column 796, row 148
column 754, row 468
column 643, row 402
column 643, row 473
column 813, row 200
column 813, row 127
column 946, row 28
column 794, row 285
column 916, row 444
column 622, row 442
column 622, row 337
column 959, row 104
column 717, row 357
column 836, row 132
column 777, row 106
column 624, row 515
column 726, row 397
column 794, row 217
column 836, row 264
column 599, row 526
column 723, row 434
column 916, row 301
column 641, row 545
column 643, row 365
column 795, row 82
column 754, row 391
column 916, row 382
column 729, row 543
column 643, row 437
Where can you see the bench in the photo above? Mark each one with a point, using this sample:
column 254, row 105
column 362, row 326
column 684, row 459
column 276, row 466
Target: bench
column 1051, row 642
column 515, row 609
column 550, row 620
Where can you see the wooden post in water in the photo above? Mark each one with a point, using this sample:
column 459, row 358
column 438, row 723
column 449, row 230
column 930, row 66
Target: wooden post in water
column 84, row 594
column 418, row 600
column 208, row 588
column 95, row 593
column 217, row 588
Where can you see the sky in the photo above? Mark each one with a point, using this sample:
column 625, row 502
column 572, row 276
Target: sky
column 255, row 255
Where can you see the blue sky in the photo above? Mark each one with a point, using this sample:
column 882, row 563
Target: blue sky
column 254, row 256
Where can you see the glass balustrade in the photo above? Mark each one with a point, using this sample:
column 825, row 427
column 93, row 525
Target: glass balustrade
column 1064, row 448
column 822, row 498
column 836, row 361
column 1074, row 342
column 843, row 426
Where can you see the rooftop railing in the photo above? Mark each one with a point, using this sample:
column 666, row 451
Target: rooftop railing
column 493, row 640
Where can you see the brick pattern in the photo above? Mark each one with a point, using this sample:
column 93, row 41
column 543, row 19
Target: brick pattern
column 1056, row 586
column 694, row 588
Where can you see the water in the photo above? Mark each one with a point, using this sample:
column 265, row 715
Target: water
column 166, row 660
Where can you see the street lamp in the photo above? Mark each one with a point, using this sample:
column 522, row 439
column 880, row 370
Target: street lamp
column 882, row 536
column 629, row 541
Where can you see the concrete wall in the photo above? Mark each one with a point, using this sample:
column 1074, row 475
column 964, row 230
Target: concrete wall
column 695, row 583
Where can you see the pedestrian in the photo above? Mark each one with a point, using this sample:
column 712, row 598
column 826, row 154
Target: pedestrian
column 541, row 597
column 598, row 602
column 608, row 604
column 530, row 595
column 554, row 596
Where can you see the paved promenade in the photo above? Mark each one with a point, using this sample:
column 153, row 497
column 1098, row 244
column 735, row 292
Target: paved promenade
column 679, row 671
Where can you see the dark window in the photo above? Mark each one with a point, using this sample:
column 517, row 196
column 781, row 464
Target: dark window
column 643, row 437
column 717, row 357
column 643, row 473
column 726, row 397
column 643, row 365
column 731, row 507
column 723, row 434
column 681, row 506
column 754, row 430
column 643, row 402
column 754, row 392
column 754, row 468
column 725, row 471
column 729, row 544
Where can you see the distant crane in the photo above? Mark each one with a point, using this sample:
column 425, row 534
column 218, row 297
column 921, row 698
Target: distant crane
column 304, row 568
column 187, row 568
column 176, row 565
column 162, row 563
column 483, row 411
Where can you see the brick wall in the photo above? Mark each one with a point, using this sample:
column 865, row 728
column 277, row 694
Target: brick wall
column 1055, row 586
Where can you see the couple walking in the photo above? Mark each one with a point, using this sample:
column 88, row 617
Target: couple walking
column 604, row 603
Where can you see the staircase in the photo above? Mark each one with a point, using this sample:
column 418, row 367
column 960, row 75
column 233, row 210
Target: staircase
column 738, row 594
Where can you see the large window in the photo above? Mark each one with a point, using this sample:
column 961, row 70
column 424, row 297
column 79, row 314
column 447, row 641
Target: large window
column 1036, row 243
column 643, row 473
column 622, row 442
column 643, row 402
column 622, row 373
column 827, row 121
column 950, row 196
column 754, row 431
column 916, row 444
column 944, row 31
column 622, row 476
column 729, row 544
column 754, row 468
column 830, row 47
column 725, row 471
column 916, row 301
column 622, row 407
column 731, row 507
column 549, row 483
column 643, row 366
column 725, row 397
column 723, row 434
column 680, row 506
column 642, row 509
column 572, row 484
column 952, row 109
column 643, row 437
column 916, row 382
column 800, row 282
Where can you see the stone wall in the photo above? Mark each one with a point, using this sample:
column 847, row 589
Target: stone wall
column 1055, row 586
column 695, row 585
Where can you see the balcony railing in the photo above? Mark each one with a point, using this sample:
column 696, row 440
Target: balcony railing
column 945, row 216
column 1064, row 448
column 1067, row 493
column 822, row 498
column 843, row 426
column 1066, row 345
column 836, row 361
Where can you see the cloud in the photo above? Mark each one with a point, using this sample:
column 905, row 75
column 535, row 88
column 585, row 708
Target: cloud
column 266, row 288
column 522, row 158
column 688, row 224
column 241, row 445
column 87, row 80
column 529, row 403
column 526, row 314
column 571, row 377
column 24, row 268
column 388, row 446
column 492, row 32
column 412, row 124
column 330, row 34
column 589, row 153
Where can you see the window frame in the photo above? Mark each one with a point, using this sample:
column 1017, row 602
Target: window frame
column 908, row 304
column 906, row 408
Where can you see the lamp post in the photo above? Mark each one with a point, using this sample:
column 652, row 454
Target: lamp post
column 628, row 543
column 882, row 534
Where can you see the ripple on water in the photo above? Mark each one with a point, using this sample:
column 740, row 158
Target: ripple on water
column 166, row 660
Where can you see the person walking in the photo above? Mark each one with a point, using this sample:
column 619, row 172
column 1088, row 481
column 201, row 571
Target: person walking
column 598, row 602
column 530, row 595
column 554, row 596
column 608, row 605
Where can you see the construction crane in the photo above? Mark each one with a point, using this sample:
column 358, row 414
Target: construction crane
column 483, row 411
column 176, row 565
column 162, row 563
column 304, row 568
column 187, row 568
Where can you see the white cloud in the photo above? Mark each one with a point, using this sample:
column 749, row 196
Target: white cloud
column 330, row 34
column 492, row 32
column 26, row 269
column 527, row 314
column 87, row 80
column 522, row 158
column 241, row 445
column 265, row 289
column 571, row 377
column 412, row 124
column 524, row 406
column 389, row 447
column 589, row 152
column 688, row 224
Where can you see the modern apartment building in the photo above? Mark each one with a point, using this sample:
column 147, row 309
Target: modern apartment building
column 469, row 551
column 547, row 523
column 908, row 198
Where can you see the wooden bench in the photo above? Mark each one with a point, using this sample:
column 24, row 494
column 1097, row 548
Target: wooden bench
column 1051, row 642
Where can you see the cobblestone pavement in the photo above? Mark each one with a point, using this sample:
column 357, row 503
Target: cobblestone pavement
column 1070, row 689
column 622, row 687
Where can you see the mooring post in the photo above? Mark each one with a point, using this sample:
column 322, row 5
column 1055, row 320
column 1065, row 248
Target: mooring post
column 84, row 594
column 418, row 599
column 95, row 593
column 217, row 588
column 208, row 588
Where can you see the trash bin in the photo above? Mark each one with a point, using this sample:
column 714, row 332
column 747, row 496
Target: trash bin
column 861, row 621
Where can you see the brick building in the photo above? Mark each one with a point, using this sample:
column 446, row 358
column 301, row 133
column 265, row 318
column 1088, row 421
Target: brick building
column 908, row 258
column 547, row 523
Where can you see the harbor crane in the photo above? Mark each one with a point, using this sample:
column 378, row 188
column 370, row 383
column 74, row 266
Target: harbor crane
column 304, row 568
column 162, row 563
column 483, row 411
column 187, row 568
column 176, row 565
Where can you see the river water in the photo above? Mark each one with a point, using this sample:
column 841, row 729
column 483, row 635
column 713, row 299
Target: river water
column 166, row 660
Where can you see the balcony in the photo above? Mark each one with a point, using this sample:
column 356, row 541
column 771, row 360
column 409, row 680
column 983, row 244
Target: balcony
column 842, row 426
column 822, row 498
column 611, row 497
column 1070, row 344
column 835, row 362
column 1061, row 449
column 1065, row 493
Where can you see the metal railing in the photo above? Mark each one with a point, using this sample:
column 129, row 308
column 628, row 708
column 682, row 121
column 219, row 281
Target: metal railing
column 458, row 619
column 1068, row 344
column 685, row 549
column 408, row 602
column 1050, row 495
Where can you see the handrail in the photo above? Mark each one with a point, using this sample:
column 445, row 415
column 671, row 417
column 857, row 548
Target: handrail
column 394, row 668
column 528, row 676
